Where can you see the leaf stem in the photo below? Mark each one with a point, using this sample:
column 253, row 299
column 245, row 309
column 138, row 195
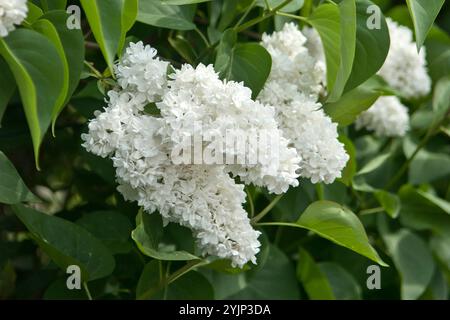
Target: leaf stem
column 293, row 16
column 250, row 7
column 269, row 14
column 92, row 68
column 250, row 202
column 185, row 269
column 203, row 37
column 266, row 210
column 406, row 165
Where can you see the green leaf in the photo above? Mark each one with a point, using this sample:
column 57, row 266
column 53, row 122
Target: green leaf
column 438, row 53
column 441, row 98
column 12, row 189
column 419, row 214
column 67, row 243
column 149, row 282
column 313, row 278
column 247, row 62
column 181, row 2
column 29, row 55
column 129, row 15
column 354, row 102
column 273, row 279
column 438, row 288
column 412, row 259
column 184, row 48
column 103, row 17
column 347, row 14
column 427, row 165
column 423, row 14
column 350, row 168
column 372, row 47
column 191, row 286
column 440, row 245
column 343, row 284
column 374, row 164
column 294, row 5
column 326, row 20
column 34, row 12
column 154, row 13
column 7, row 87
column 73, row 44
column 336, row 223
column 46, row 28
column 147, row 236
column 112, row 228
column 48, row 5
column 390, row 202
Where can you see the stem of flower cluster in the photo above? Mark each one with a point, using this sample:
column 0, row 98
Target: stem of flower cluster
column 250, row 202
column 203, row 37
column 293, row 16
column 269, row 14
column 266, row 210
column 250, row 7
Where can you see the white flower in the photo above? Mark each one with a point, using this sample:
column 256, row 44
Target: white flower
column 293, row 87
column 106, row 129
column 198, row 96
column 12, row 12
column 315, row 137
column 208, row 201
column 203, row 197
column 388, row 117
column 405, row 69
column 141, row 71
column 294, row 68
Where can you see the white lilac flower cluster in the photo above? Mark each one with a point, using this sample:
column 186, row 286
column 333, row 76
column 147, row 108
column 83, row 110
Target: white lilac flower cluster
column 202, row 197
column 405, row 69
column 388, row 117
column 295, row 82
column 12, row 12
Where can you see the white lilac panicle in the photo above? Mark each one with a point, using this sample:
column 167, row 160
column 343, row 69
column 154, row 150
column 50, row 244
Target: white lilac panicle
column 141, row 71
column 201, row 197
column 388, row 117
column 12, row 13
column 209, row 202
column 293, row 67
column 404, row 69
column 198, row 96
column 315, row 137
column 296, row 79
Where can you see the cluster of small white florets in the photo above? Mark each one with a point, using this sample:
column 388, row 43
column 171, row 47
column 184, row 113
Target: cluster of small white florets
column 202, row 197
column 295, row 82
column 294, row 68
column 197, row 95
column 388, row 117
column 405, row 69
column 12, row 12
